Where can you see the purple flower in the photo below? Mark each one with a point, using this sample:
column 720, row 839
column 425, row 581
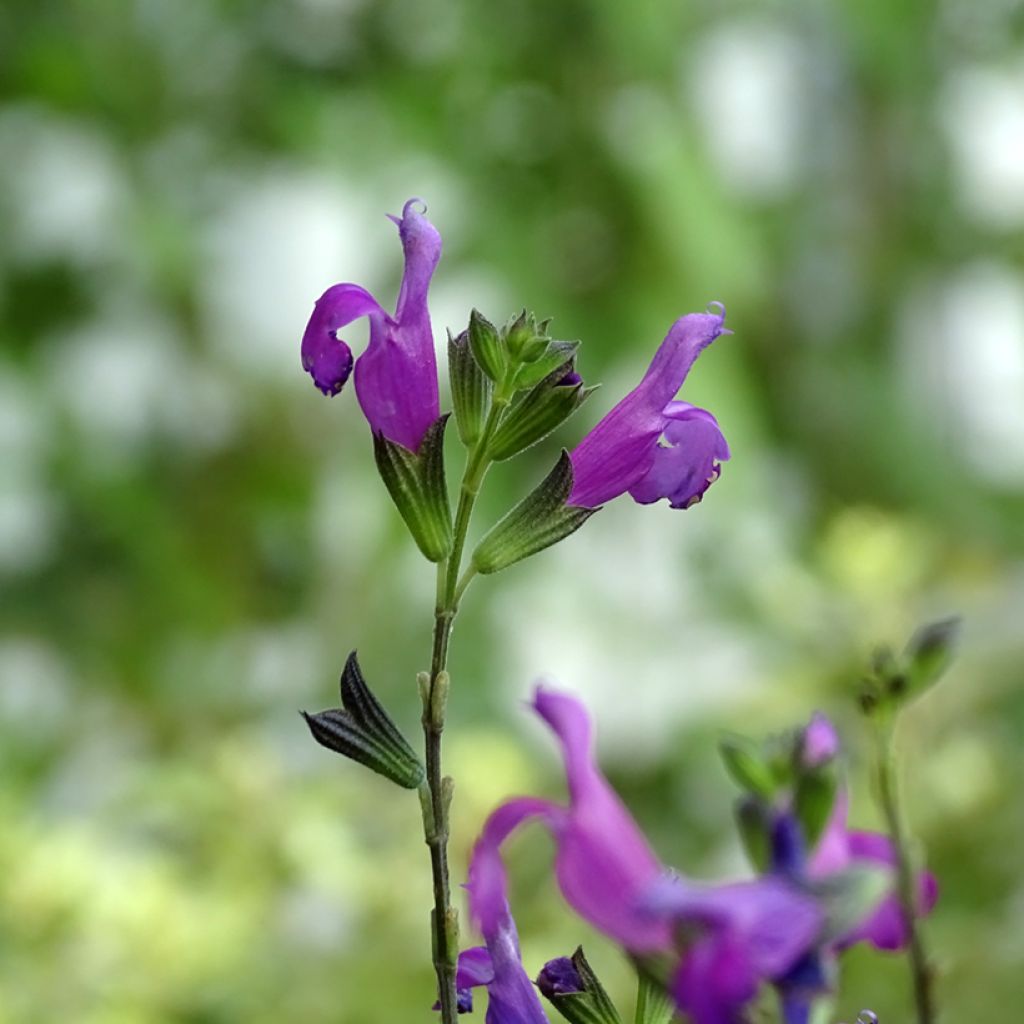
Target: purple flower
column 512, row 998
column 839, row 849
column 396, row 377
column 649, row 444
column 735, row 935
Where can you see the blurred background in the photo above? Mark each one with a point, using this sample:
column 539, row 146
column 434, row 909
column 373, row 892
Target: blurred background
column 192, row 538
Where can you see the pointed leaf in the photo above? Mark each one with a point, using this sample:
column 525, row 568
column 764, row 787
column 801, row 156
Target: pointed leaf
column 416, row 483
column 471, row 389
column 487, row 347
column 541, row 519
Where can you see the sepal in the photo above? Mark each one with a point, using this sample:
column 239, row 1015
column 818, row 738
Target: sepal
column 574, row 990
column 557, row 353
column 541, row 519
column 653, row 1004
column 813, row 799
column 471, row 389
column 754, row 823
column 929, row 654
column 362, row 731
column 534, row 415
column 416, row 483
column 747, row 766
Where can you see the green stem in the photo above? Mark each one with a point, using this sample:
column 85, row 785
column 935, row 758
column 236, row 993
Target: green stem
column 450, row 588
column 906, row 885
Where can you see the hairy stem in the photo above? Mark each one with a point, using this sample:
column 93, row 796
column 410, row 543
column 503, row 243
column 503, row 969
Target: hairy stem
column 450, row 588
column 889, row 800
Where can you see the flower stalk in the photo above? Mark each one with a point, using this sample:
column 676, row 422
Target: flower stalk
column 887, row 780
column 437, row 798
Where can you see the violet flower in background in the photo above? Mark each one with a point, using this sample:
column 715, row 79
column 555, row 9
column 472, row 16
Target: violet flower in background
column 624, row 452
column 738, row 935
column 396, row 377
column 839, row 849
column 512, row 998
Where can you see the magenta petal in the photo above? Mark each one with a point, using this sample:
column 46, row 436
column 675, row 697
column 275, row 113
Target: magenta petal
column 512, row 997
column 620, row 451
column 688, row 463
column 775, row 922
column 820, row 741
column 686, row 339
column 832, row 852
column 474, row 968
column 885, row 927
column 396, row 377
column 615, row 454
column 325, row 356
column 604, row 864
column 715, row 981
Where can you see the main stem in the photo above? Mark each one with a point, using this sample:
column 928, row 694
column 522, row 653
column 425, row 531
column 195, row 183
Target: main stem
column 889, row 798
column 444, row 920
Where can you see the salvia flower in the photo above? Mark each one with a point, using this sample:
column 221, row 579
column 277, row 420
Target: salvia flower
column 838, row 850
column 512, row 998
column 651, row 445
column 396, row 377
column 841, row 848
column 733, row 936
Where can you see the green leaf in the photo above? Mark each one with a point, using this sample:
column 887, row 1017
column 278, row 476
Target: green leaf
column 471, row 389
column 813, row 801
column 487, row 347
column 363, row 731
column 534, row 415
column 746, row 765
column 416, row 483
column 541, row 519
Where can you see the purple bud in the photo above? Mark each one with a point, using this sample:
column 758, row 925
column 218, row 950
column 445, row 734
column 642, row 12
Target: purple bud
column 820, row 742
column 559, row 978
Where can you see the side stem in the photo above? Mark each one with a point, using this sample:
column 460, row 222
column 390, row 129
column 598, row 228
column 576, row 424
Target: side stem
column 889, row 800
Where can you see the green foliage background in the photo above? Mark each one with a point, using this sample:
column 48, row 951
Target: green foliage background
column 192, row 539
